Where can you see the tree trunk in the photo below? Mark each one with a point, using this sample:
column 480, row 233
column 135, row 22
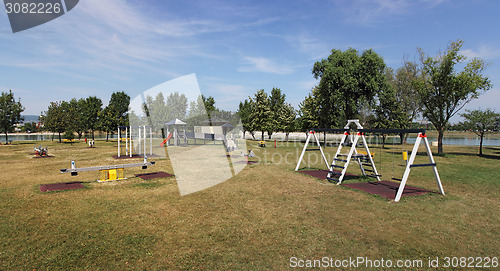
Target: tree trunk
column 286, row 136
column 93, row 135
column 60, row 138
column 107, row 136
column 6, row 138
column 262, row 136
column 481, row 144
column 440, row 140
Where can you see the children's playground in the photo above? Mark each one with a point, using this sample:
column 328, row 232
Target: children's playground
column 68, row 206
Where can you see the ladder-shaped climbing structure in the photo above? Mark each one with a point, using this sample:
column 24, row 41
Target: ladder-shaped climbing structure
column 356, row 140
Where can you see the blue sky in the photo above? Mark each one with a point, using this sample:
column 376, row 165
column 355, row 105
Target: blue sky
column 233, row 47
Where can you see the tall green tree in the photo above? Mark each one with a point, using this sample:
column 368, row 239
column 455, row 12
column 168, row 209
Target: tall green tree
column 108, row 120
column 244, row 111
column 209, row 103
column 119, row 104
column 288, row 119
column 261, row 112
column 10, row 113
column 76, row 123
column 480, row 122
column 444, row 91
column 56, row 119
column 90, row 111
column 347, row 79
column 309, row 112
column 177, row 105
column 277, row 105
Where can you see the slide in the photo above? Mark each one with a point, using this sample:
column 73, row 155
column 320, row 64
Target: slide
column 165, row 141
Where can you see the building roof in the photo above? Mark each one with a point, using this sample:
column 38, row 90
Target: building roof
column 175, row 121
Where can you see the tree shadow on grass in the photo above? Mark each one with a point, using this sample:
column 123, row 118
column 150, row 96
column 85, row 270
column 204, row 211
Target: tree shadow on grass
column 487, row 156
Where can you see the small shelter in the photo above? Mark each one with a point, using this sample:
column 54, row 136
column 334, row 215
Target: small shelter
column 178, row 129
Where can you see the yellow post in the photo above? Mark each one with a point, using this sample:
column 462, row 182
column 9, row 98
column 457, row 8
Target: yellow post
column 405, row 156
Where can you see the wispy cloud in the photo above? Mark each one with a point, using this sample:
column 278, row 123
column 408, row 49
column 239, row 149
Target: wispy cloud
column 262, row 64
column 368, row 12
column 483, row 51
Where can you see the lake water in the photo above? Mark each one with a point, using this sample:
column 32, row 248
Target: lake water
column 466, row 140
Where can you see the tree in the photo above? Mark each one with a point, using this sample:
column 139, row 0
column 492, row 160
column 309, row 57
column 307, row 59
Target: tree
column 56, row 118
column 177, row 106
column 288, row 119
column 90, row 111
column 347, row 79
column 10, row 113
column 277, row 106
column 245, row 111
column 261, row 112
column 443, row 91
column 480, row 122
column 119, row 104
column 209, row 103
column 77, row 123
column 390, row 111
column 308, row 112
column 108, row 120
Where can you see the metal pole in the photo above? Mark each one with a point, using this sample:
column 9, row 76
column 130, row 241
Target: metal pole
column 130, row 141
column 144, row 137
column 118, row 141
column 150, row 141
column 140, row 142
column 126, row 140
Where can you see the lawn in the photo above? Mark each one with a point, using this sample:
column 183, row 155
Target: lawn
column 256, row 220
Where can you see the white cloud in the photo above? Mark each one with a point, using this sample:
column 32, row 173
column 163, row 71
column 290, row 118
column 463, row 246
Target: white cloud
column 484, row 51
column 262, row 64
column 367, row 12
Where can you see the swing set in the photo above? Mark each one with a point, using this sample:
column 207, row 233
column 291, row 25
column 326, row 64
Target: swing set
column 352, row 141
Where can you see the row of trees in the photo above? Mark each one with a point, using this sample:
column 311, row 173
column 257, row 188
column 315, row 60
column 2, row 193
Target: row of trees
column 86, row 115
column 267, row 113
column 354, row 85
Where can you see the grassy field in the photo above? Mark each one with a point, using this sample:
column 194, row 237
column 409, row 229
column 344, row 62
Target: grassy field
column 256, row 220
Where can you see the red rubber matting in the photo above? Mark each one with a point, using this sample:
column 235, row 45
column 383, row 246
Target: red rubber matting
column 386, row 189
column 60, row 186
column 321, row 174
column 153, row 175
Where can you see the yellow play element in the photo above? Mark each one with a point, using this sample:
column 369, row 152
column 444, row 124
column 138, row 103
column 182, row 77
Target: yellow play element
column 106, row 175
column 405, row 156
column 364, row 153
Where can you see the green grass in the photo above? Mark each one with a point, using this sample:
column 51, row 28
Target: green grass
column 256, row 220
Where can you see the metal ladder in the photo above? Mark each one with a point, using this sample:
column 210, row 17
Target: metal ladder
column 365, row 161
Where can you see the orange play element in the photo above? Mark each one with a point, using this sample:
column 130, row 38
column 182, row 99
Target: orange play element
column 165, row 141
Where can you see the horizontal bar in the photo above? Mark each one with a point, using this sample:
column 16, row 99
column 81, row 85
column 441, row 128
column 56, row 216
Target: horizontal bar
column 337, row 166
column 393, row 131
column 332, row 179
column 312, row 149
column 66, row 170
column 334, row 172
column 330, row 130
column 424, row 165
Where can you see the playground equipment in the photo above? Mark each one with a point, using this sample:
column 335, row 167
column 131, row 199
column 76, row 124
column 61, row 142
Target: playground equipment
column 141, row 141
column 365, row 159
column 91, row 143
column 107, row 173
column 40, row 151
